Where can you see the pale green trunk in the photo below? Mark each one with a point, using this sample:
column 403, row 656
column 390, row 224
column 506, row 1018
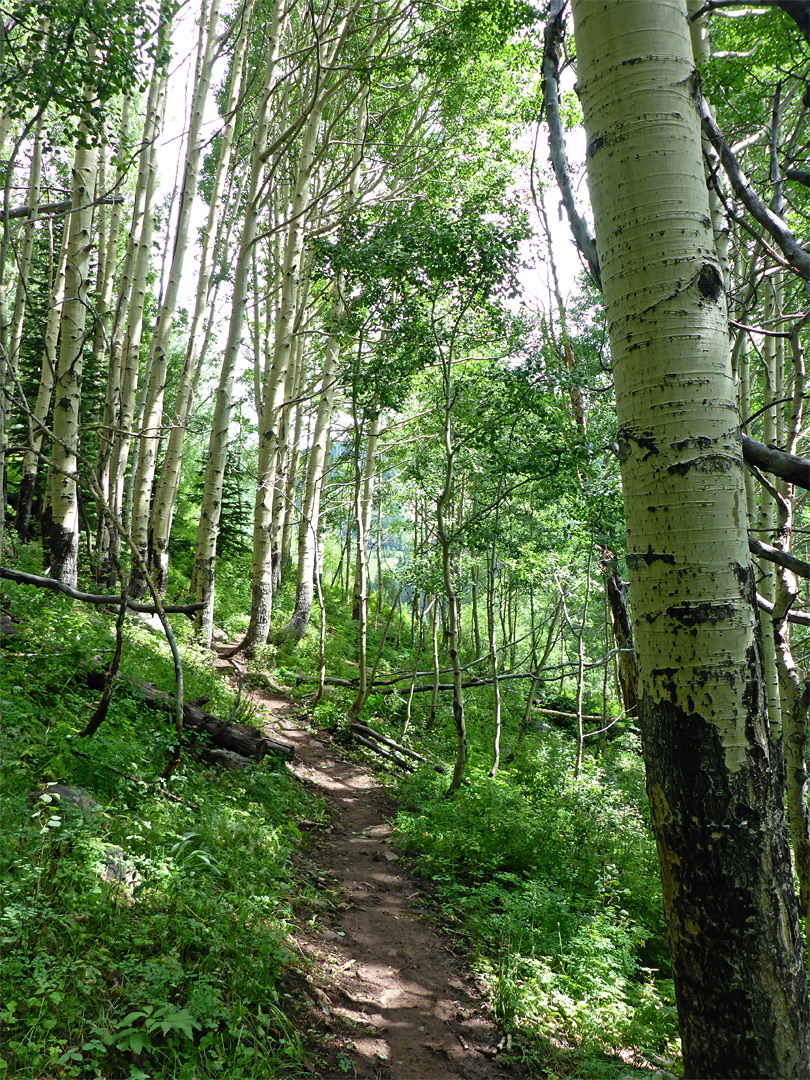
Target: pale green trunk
column 713, row 768
column 126, row 375
column 150, row 428
column 30, row 467
column 273, row 388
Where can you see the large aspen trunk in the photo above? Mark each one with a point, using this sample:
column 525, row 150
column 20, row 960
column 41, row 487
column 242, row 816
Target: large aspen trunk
column 714, row 771
column 125, row 353
column 68, row 390
column 318, row 458
column 274, row 384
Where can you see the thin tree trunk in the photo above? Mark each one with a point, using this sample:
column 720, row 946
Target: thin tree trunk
column 169, row 480
column 64, row 461
column 130, row 353
column 159, row 350
column 208, row 530
column 30, row 467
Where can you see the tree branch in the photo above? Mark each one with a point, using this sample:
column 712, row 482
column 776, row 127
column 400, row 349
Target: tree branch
column 802, row 618
column 796, row 470
column 583, row 233
column 797, row 256
column 93, row 598
column 775, row 555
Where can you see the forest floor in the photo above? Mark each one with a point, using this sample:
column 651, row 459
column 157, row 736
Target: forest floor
column 383, row 992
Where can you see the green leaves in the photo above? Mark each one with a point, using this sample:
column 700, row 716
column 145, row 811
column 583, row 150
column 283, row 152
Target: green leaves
column 75, row 56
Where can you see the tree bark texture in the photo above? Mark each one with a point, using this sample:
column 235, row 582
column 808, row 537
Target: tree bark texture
column 714, row 772
column 65, row 510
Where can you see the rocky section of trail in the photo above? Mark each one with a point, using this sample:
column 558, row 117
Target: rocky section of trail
column 390, row 1000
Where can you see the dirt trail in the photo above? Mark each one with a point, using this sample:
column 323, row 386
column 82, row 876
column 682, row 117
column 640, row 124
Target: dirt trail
column 391, row 1000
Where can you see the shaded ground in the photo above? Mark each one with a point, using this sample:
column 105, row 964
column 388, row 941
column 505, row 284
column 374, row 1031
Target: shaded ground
column 389, row 998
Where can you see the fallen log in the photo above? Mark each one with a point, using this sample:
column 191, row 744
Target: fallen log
column 371, row 745
column 238, row 738
column 358, row 729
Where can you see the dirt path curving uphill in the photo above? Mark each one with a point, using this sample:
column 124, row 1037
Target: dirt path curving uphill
column 390, row 999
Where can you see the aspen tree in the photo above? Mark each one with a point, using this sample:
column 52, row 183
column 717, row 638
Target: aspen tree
column 713, row 766
column 316, row 463
column 166, row 491
column 325, row 85
column 364, row 495
column 127, row 329
column 150, row 427
column 210, row 510
column 67, row 390
column 42, row 405
column 22, row 260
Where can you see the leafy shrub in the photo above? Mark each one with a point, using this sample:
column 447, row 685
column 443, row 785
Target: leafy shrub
column 556, row 882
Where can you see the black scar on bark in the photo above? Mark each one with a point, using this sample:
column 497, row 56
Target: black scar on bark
column 644, row 442
column 710, row 464
column 700, row 442
column 634, row 560
column 710, row 282
column 697, row 614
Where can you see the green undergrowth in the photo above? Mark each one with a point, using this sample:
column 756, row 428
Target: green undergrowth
column 176, row 968
column 552, row 883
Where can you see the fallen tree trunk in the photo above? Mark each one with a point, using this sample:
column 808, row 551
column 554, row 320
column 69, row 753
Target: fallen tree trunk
column 363, row 733
column 238, row 738
column 371, row 745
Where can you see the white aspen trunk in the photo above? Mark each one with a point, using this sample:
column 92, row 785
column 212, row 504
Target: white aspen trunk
column 166, row 492
column 205, row 555
column 766, row 522
column 22, row 263
column 310, row 503
column 290, row 507
column 112, row 404
column 296, row 374
column 318, row 461
column 64, row 462
column 794, row 693
column 30, row 465
column 130, row 352
column 364, row 506
column 102, row 343
column 364, row 494
column 159, row 350
column 273, row 389
column 713, row 768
